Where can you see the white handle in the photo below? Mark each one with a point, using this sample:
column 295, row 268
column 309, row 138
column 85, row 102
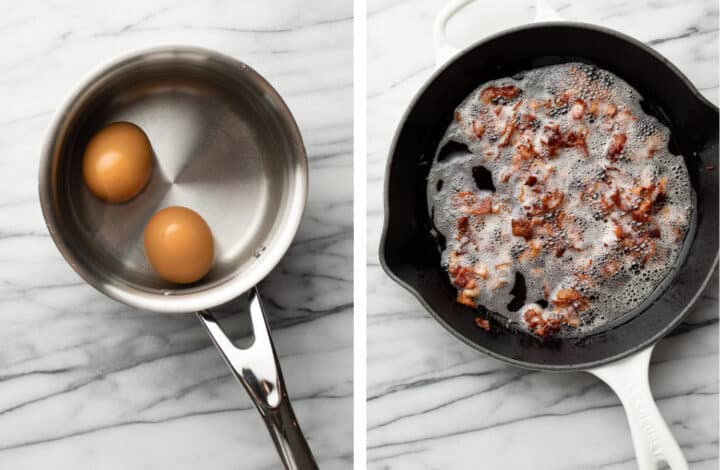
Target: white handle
column 444, row 50
column 652, row 439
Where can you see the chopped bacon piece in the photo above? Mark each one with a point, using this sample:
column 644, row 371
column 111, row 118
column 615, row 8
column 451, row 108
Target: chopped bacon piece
column 569, row 297
column 533, row 250
column 648, row 248
column 526, row 152
column 531, row 180
column 652, row 231
column 540, row 325
column 576, row 139
column 499, row 284
column 678, row 234
column 481, row 269
column 482, row 323
column 566, row 96
column 610, row 268
column 462, row 225
column 526, row 121
column 478, row 129
column 549, row 202
column 578, row 109
column 469, row 203
column 462, row 277
column 552, row 139
column 617, row 144
column 552, row 200
column 493, row 92
column 652, row 144
column 522, row 228
column 651, row 196
column 458, row 117
column 507, row 132
column 465, row 300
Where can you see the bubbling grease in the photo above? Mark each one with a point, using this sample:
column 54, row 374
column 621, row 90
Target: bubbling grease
column 586, row 202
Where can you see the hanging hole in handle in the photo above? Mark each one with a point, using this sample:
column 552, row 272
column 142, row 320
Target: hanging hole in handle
column 234, row 319
column 663, row 465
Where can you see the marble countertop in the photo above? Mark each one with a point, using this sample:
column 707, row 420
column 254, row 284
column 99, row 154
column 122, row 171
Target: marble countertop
column 87, row 383
column 434, row 403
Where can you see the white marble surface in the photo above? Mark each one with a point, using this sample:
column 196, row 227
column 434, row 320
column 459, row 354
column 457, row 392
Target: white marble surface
column 87, row 383
column 434, row 403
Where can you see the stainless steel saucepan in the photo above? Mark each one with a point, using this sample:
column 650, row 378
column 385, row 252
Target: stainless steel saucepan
column 225, row 146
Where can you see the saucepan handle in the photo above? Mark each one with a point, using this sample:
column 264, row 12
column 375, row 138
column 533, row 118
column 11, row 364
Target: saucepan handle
column 444, row 50
column 258, row 370
column 652, row 439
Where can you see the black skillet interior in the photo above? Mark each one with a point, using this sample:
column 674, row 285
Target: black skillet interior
column 410, row 254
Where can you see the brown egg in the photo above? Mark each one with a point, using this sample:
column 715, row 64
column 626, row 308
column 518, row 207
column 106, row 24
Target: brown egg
column 179, row 245
column 118, row 162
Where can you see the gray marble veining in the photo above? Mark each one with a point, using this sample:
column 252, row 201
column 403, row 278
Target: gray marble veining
column 434, row 403
column 87, row 383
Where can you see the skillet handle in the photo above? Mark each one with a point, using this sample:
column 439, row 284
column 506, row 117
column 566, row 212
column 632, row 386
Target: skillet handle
column 258, row 370
column 444, row 50
column 652, row 439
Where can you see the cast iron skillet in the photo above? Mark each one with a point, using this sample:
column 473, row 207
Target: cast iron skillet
column 410, row 255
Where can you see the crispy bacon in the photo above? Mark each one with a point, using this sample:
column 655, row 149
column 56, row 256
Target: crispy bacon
column 549, row 202
column 524, row 140
column 610, row 268
column 493, row 92
column 465, row 299
column 482, row 323
column 525, row 152
column 522, row 228
column 617, row 144
column 525, row 121
column 462, row 277
column 469, row 203
column 578, row 109
column 576, row 139
column 533, row 250
column 552, row 139
column 569, row 297
column 552, row 200
column 507, row 132
column 481, row 269
column 651, row 196
column 478, row 129
column 541, row 325
column 462, row 225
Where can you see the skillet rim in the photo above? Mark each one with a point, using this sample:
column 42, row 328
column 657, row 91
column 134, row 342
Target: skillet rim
column 678, row 318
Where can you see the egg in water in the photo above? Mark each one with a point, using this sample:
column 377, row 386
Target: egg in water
column 179, row 245
column 118, row 162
